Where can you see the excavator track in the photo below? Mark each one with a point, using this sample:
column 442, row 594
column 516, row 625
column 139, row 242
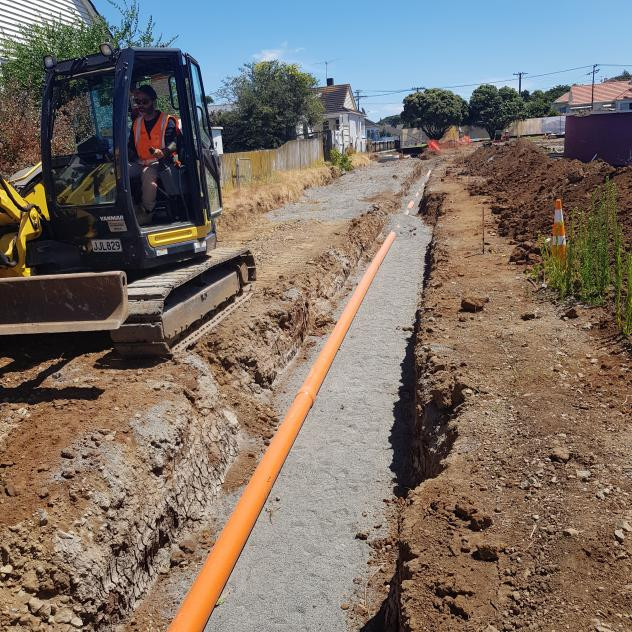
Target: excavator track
column 165, row 307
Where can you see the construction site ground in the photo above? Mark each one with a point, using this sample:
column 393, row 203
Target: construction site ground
column 467, row 466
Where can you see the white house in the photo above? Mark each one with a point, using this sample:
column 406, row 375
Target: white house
column 16, row 14
column 342, row 117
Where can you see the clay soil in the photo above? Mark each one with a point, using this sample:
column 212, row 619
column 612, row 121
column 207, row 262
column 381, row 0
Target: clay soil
column 515, row 510
column 523, row 182
column 105, row 464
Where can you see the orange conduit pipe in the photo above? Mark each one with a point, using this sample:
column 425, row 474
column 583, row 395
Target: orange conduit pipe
column 207, row 587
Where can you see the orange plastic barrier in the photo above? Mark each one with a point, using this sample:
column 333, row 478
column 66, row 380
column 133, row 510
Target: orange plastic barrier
column 207, row 587
column 558, row 243
column 433, row 145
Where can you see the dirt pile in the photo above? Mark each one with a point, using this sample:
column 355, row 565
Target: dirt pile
column 523, row 183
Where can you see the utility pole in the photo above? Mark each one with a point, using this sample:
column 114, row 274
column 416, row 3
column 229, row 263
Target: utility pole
column 358, row 99
column 595, row 69
column 519, row 75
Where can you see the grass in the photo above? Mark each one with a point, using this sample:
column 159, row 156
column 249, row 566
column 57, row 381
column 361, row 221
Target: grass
column 241, row 205
column 597, row 270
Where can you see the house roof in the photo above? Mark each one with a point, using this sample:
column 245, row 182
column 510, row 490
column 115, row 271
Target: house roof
column 606, row 91
column 334, row 97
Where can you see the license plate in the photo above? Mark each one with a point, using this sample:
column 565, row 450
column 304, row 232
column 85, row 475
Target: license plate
column 106, row 245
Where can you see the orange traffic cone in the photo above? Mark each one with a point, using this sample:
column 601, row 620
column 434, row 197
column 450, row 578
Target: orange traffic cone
column 558, row 243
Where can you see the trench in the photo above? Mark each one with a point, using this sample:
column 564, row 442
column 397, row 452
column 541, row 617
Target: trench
column 422, row 435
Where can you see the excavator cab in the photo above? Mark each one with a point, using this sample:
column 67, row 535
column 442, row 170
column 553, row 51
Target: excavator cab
column 92, row 201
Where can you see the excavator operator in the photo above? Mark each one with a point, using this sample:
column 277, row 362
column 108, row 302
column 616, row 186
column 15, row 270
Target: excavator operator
column 152, row 143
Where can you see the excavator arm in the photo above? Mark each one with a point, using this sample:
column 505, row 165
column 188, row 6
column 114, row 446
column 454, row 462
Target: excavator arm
column 20, row 222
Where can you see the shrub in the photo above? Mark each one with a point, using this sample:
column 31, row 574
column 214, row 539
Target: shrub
column 340, row 160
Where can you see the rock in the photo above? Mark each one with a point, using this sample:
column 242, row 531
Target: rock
column 486, row 552
column 30, row 583
column 625, row 526
column 7, row 569
column 68, row 454
column 472, row 304
column 619, row 535
column 64, row 615
column 42, row 517
column 560, row 454
column 528, row 316
column 361, row 535
column 68, row 473
column 76, row 622
column 35, row 605
column 570, row 532
column 570, row 313
column 188, row 545
column 518, row 254
column 10, row 490
column 344, row 606
column 582, row 475
column 575, row 176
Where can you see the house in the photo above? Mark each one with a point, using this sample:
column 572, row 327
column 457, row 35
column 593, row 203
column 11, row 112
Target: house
column 609, row 96
column 342, row 119
column 17, row 14
column 372, row 130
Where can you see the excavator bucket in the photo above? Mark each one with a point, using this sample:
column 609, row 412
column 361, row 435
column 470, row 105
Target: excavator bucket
column 58, row 303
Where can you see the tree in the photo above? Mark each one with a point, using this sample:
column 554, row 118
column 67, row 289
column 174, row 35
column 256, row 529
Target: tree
column 494, row 109
column 24, row 68
column 393, row 120
column 624, row 76
column 556, row 92
column 271, row 100
column 434, row 111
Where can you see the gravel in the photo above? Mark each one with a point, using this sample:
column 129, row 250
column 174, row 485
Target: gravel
column 298, row 567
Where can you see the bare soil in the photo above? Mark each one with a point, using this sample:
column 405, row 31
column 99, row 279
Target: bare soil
column 107, row 465
column 516, row 508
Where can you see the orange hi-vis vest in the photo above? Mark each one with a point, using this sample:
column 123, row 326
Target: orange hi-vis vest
column 143, row 141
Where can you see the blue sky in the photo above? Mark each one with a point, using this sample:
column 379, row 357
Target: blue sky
column 379, row 47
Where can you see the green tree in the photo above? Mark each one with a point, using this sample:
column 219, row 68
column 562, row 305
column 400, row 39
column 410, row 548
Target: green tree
column 556, row 92
column 624, row 76
column 394, row 120
column 434, row 111
column 494, row 108
column 23, row 67
column 271, row 100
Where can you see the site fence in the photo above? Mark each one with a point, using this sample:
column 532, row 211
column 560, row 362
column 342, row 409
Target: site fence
column 245, row 166
column 538, row 126
column 382, row 145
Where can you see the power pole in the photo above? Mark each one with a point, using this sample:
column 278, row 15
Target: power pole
column 519, row 75
column 595, row 69
column 358, row 99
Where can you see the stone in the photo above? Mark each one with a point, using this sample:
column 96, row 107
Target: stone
column 570, row 313
column 64, row 615
column 582, row 475
column 35, row 604
column 30, row 583
column 619, row 535
column 344, row 606
column 361, row 535
column 188, row 545
column 560, row 454
column 68, row 454
column 42, row 517
column 76, row 622
column 570, row 532
column 472, row 304
column 486, row 552
column 528, row 316
column 10, row 490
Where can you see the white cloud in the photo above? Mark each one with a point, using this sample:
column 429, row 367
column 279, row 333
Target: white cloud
column 282, row 53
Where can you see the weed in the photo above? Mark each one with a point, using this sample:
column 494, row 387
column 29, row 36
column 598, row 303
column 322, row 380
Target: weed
column 593, row 270
column 340, row 160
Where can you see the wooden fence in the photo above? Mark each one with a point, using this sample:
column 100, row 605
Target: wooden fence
column 244, row 166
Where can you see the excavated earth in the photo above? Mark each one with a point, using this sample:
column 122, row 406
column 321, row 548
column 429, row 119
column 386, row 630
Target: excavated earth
column 108, row 466
column 514, row 511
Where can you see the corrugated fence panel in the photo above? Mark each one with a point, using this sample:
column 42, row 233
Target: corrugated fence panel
column 538, row 126
column 244, row 166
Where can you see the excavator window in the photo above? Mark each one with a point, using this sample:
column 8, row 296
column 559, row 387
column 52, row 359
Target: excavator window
column 82, row 141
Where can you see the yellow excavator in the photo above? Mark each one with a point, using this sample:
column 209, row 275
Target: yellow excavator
column 74, row 255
